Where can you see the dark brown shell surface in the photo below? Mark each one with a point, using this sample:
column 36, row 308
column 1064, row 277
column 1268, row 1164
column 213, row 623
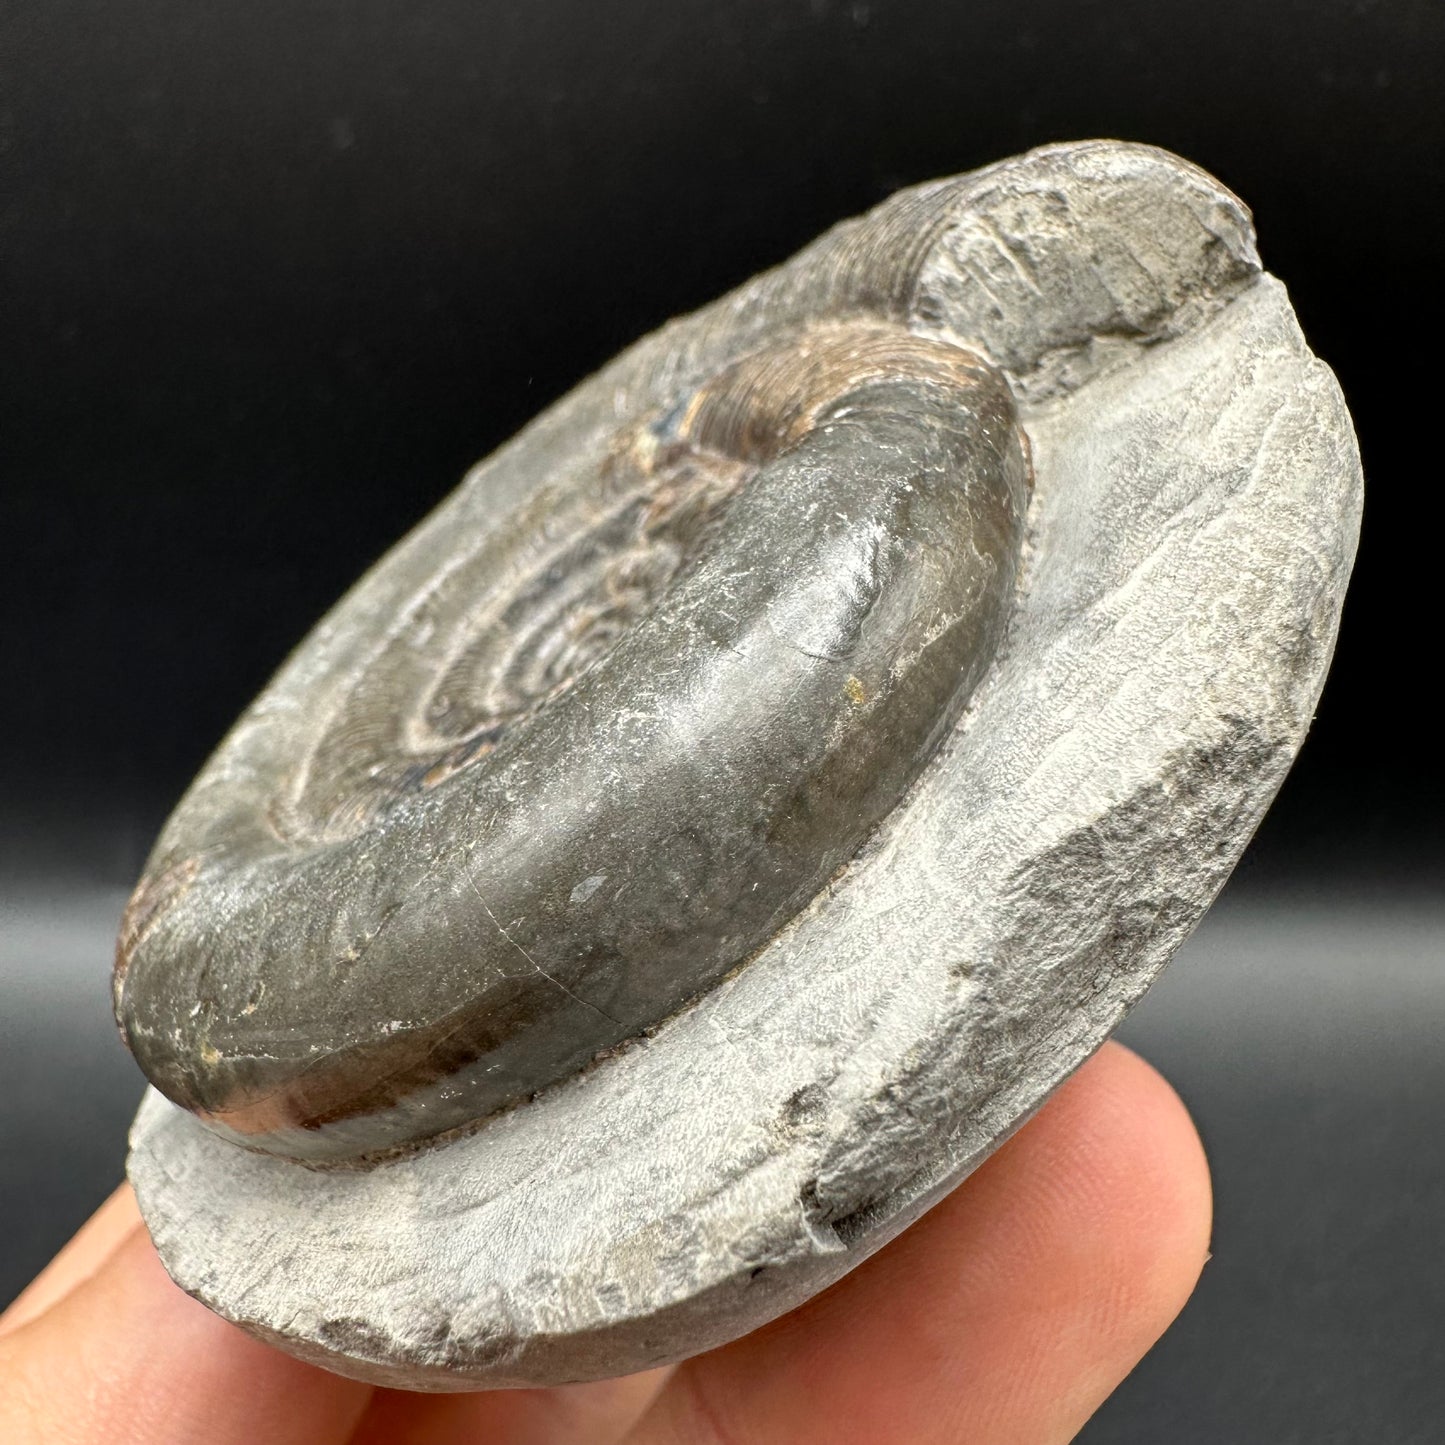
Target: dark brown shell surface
column 537, row 782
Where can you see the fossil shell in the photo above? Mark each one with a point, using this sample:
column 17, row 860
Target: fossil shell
column 528, row 790
column 986, row 753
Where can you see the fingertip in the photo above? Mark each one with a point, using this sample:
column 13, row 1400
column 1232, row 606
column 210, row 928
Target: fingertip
column 129, row 1357
column 1008, row 1312
column 93, row 1244
column 1139, row 1186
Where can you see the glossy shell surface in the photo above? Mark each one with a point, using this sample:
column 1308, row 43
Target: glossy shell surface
column 592, row 758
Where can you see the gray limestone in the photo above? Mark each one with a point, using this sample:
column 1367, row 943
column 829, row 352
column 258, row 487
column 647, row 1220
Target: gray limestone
column 1189, row 538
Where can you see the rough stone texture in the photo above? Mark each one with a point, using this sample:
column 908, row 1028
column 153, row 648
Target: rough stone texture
column 1194, row 519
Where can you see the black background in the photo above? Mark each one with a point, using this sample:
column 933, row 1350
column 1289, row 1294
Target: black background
column 275, row 274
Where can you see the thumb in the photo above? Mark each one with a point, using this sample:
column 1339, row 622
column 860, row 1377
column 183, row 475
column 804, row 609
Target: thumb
column 104, row 1350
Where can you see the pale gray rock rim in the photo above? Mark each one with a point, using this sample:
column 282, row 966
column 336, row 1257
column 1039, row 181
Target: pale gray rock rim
column 1195, row 518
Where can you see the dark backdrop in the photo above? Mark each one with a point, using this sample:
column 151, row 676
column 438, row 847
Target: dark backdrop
column 274, row 274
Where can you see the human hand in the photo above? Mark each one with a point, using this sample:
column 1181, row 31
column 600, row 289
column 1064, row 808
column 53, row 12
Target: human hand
column 1003, row 1317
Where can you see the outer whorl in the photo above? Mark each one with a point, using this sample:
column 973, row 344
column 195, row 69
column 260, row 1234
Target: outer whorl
column 578, row 771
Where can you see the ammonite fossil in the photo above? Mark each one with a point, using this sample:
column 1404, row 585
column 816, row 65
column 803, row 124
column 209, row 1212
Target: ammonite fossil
column 583, row 764
column 693, row 848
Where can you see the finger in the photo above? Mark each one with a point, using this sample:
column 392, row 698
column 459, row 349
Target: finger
column 598, row 1414
column 96, row 1241
column 126, row 1358
column 1006, row 1315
